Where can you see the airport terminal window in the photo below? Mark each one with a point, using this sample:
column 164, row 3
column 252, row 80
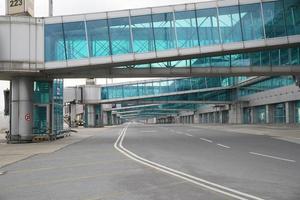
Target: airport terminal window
column 75, row 40
column 54, row 43
column 186, row 29
column 274, row 19
column 164, row 31
column 279, row 113
column 120, row 35
column 208, row 29
column 143, row 37
column 292, row 16
column 297, row 109
column 260, row 116
column 230, row 24
column 252, row 24
column 98, row 37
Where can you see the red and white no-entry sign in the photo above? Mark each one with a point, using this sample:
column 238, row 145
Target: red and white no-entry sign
column 28, row 117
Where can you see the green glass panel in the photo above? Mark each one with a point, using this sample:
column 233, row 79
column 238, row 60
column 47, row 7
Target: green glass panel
column 143, row 36
column 164, row 31
column 274, row 19
column 279, row 113
column 75, row 40
column 260, row 115
column 251, row 19
column 186, row 29
column 208, row 29
column 54, row 43
column 120, row 35
column 297, row 111
column 40, row 120
column 98, row 37
column 292, row 16
column 230, row 24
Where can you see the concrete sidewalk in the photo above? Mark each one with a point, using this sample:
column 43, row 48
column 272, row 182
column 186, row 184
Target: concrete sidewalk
column 10, row 153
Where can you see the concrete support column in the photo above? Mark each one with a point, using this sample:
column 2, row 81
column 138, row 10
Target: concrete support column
column 22, row 109
column 236, row 113
column 289, row 112
column 73, row 113
column 90, row 115
column 220, row 117
column 269, row 114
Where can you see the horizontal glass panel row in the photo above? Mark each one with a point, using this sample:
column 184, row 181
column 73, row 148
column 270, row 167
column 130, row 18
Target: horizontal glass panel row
column 181, row 29
column 268, row 84
column 276, row 57
column 164, row 87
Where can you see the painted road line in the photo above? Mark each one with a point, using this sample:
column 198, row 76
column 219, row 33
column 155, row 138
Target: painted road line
column 207, row 140
column 148, row 131
column 2, row 173
column 189, row 135
column 221, row 145
column 192, row 179
column 274, row 157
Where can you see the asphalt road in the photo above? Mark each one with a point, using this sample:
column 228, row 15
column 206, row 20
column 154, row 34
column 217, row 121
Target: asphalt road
column 161, row 162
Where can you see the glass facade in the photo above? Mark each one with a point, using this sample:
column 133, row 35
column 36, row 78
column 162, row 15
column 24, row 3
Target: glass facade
column 181, row 29
column 279, row 113
column 164, row 86
column 297, row 111
column 98, row 38
column 268, row 84
column 267, row 58
column 47, row 93
column 260, row 115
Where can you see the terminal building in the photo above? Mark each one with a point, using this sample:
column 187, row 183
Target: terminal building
column 217, row 43
column 235, row 100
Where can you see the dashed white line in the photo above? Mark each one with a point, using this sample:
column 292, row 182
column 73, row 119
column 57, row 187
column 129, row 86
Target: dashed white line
column 148, row 131
column 207, row 140
column 189, row 135
column 274, row 157
column 221, row 145
column 198, row 181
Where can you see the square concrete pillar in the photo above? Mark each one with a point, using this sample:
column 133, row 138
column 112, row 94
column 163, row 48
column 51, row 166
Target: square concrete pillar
column 269, row 114
column 290, row 112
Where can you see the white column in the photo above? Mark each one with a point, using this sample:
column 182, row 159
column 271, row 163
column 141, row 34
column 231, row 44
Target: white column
column 22, row 109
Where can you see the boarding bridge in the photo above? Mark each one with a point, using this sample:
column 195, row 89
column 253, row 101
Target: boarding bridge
column 212, row 38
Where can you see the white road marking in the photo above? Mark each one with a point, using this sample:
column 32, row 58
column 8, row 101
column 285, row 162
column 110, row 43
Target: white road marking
column 148, row 131
column 221, row 145
column 192, row 179
column 274, row 157
column 207, row 140
column 2, row 173
column 189, row 135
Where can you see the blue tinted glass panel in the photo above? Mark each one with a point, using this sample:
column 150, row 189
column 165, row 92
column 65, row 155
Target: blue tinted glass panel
column 274, row 19
column 164, row 31
column 252, row 24
column 292, row 14
column 186, row 29
column 97, row 31
column 230, row 24
column 120, row 35
column 208, row 29
column 143, row 37
column 54, row 43
column 75, row 39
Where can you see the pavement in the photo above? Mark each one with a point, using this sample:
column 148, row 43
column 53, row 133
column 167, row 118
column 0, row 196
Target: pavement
column 158, row 162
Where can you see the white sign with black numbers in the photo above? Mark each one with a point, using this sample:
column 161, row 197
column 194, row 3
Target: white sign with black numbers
column 15, row 6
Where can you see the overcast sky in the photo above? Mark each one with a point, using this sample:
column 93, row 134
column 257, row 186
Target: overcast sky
column 67, row 7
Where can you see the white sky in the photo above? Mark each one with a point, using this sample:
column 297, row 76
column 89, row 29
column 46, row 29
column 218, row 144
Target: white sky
column 67, row 7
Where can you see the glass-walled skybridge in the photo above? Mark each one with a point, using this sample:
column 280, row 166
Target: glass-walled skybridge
column 226, row 33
